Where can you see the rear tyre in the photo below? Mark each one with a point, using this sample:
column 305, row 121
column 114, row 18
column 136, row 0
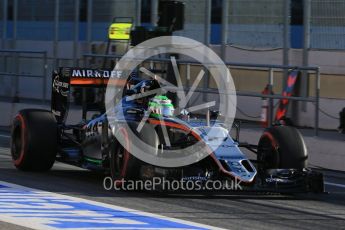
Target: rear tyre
column 34, row 140
column 282, row 147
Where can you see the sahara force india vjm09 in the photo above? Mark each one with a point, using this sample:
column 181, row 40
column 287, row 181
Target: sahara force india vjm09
column 40, row 137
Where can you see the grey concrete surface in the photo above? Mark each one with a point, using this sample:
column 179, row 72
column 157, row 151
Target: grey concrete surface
column 308, row 211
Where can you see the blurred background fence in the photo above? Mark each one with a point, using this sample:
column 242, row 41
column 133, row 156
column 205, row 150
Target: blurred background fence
column 195, row 16
column 35, row 19
column 291, row 31
column 256, row 23
column 67, row 29
column 327, row 24
column 250, row 23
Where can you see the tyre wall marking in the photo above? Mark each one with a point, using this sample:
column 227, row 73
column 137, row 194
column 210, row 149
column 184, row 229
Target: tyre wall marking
column 23, row 136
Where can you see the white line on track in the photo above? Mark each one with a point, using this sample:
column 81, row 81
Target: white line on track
column 5, row 136
column 335, row 184
column 79, row 213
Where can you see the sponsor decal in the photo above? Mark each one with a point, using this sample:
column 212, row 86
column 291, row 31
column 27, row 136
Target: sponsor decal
column 277, row 180
column 94, row 73
column 60, row 86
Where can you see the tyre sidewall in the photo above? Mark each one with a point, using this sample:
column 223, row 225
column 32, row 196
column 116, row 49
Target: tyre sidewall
column 289, row 145
column 39, row 138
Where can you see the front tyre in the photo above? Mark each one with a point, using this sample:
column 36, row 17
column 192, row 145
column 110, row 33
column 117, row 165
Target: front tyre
column 282, row 147
column 123, row 165
column 34, row 140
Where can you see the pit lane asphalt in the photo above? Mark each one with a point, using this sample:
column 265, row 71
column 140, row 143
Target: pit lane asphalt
column 307, row 211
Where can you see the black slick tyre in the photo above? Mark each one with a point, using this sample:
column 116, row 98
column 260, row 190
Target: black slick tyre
column 34, row 139
column 282, row 147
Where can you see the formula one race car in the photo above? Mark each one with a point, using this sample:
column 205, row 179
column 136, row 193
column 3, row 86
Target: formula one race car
column 40, row 137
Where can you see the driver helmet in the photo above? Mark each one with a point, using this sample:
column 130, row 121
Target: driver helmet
column 161, row 106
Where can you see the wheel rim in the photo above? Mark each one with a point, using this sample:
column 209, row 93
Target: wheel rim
column 119, row 160
column 16, row 143
column 268, row 154
column 120, row 156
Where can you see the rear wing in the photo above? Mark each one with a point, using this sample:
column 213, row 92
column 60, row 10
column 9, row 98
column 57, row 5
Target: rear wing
column 65, row 78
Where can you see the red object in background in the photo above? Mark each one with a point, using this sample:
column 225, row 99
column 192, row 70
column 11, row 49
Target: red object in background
column 264, row 107
column 288, row 91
